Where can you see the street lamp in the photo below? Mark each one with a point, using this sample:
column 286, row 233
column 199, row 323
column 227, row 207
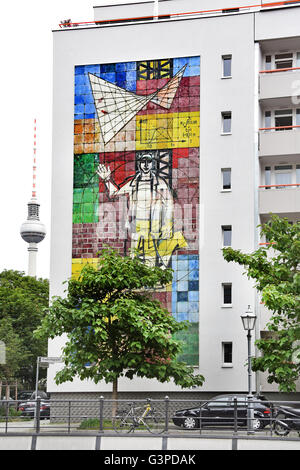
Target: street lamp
column 249, row 319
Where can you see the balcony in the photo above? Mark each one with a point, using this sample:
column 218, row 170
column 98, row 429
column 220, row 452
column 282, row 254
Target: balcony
column 279, row 86
column 280, row 199
column 284, row 142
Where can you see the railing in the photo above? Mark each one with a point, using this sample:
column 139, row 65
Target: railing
column 287, row 69
column 226, row 416
column 278, row 128
column 266, row 244
column 224, row 10
column 279, row 186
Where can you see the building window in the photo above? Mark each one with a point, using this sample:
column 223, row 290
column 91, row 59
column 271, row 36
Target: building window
column 231, row 10
column 226, row 122
column 298, row 174
column 227, row 294
column 268, row 176
column 226, row 235
column 268, row 62
column 268, row 119
column 287, row 60
column 227, row 354
column 283, row 175
column 283, row 117
column 227, row 62
column 284, row 61
column 226, row 179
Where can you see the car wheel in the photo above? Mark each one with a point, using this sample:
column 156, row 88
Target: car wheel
column 189, row 423
column 279, row 429
column 257, row 424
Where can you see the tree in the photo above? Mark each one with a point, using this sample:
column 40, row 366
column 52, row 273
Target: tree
column 22, row 299
column 115, row 328
column 276, row 270
column 14, row 353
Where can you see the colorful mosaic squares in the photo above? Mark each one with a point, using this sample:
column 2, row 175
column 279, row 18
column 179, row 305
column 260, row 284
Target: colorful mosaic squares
column 136, row 173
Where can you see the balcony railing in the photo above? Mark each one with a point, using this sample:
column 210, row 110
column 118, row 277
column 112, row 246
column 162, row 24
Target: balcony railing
column 225, row 10
column 288, row 69
column 279, row 186
column 279, row 128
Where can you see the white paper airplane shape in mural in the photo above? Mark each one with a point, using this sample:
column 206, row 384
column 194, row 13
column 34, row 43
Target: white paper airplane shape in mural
column 116, row 106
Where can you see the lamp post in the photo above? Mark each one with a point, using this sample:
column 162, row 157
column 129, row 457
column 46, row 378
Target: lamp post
column 249, row 319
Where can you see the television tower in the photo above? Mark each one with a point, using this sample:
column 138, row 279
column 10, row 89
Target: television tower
column 32, row 230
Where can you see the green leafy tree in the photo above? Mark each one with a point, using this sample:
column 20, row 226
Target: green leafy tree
column 14, row 352
column 115, row 328
column 276, row 270
column 22, row 300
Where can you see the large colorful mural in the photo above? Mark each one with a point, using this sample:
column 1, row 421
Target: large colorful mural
column 136, row 173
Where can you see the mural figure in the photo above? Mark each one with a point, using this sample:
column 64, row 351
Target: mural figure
column 150, row 211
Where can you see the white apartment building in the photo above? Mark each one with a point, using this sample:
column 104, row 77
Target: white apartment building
column 127, row 86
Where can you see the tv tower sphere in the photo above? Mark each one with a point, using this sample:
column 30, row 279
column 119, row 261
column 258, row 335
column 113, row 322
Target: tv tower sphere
column 32, row 230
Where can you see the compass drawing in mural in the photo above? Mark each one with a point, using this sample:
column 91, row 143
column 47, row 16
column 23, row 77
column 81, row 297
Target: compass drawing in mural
column 116, row 106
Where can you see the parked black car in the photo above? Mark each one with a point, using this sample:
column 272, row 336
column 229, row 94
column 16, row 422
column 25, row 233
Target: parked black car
column 221, row 411
column 287, row 419
column 28, row 409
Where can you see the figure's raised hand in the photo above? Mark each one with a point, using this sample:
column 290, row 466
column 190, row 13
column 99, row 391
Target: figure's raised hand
column 103, row 172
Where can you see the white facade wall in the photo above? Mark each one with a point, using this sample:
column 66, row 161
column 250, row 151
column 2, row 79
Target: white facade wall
column 210, row 37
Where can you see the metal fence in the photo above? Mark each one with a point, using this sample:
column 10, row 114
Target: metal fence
column 231, row 416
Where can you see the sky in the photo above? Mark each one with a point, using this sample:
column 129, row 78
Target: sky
column 26, row 94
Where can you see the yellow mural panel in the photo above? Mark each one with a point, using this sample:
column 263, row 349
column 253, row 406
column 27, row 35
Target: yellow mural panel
column 79, row 263
column 163, row 131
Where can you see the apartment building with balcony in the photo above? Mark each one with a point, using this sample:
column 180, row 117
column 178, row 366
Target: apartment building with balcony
column 209, row 92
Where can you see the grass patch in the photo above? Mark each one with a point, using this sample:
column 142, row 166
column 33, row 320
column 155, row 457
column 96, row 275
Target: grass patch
column 94, row 423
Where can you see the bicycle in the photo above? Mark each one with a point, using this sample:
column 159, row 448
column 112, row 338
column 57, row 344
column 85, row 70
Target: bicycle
column 132, row 418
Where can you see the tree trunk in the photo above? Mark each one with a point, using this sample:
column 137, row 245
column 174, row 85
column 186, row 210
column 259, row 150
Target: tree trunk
column 114, row 397
column 0, row 389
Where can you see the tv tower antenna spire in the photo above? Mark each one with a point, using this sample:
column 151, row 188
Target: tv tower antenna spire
column 32, row 230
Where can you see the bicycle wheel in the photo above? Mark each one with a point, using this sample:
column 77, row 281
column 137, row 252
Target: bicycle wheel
column 155, row 423
column 123, row 423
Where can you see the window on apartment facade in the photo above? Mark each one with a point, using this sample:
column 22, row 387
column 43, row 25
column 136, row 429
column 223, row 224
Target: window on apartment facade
column 281, row 119
column 226, row 179
column 268, row 62
column 283, row 175
column 231, row 10
column 226, row 122
column 227, row 354
column 285, row 60
column 298, row 174
column 268, row 119
column 268, row 176
column 227, row 294
column 227, row 63
column 226, row 235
